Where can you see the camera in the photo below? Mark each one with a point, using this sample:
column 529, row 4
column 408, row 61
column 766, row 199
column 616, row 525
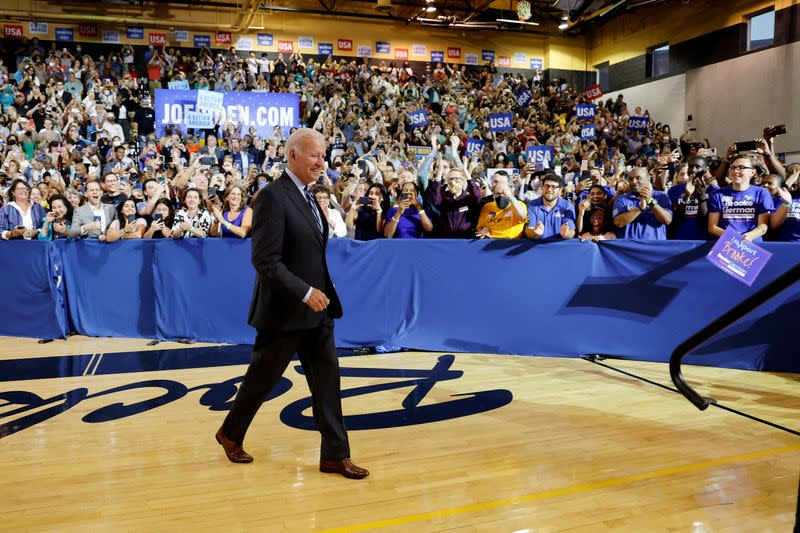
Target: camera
column 746, row 146
column 774, row 131
column 405, row 196
column 364, row 200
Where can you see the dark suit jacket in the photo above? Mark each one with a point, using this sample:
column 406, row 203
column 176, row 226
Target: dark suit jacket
column 289, row 257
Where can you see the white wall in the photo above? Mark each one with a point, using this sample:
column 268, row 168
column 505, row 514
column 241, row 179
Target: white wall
column 664, row 98
column 733, row 100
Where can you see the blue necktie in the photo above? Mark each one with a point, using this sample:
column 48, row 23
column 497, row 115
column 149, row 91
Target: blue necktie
column 313, row 206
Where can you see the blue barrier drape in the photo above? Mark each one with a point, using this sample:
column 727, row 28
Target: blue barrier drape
column 32, row 290
column 110, row 287
column 631, row 299
column 209, row 292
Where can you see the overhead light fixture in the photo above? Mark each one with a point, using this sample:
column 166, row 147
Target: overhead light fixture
column 563, row 26
column 510, row 21
column 565, row 17
column 473, row 26
column 430, row 9
column 434, row 21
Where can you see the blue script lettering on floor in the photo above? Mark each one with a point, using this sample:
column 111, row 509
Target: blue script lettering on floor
column 23, row 409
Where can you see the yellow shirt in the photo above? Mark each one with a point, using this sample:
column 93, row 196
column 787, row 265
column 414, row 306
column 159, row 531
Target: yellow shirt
column 503, row 223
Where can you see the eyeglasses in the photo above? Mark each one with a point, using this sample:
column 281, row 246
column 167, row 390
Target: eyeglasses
column 740, row 168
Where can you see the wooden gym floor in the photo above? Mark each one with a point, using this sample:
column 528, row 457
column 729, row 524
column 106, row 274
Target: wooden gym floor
column 473, row 442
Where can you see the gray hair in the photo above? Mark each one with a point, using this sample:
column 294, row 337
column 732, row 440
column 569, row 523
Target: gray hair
column 299, row 135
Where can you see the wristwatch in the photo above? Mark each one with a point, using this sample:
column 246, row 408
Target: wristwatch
column 652, row 202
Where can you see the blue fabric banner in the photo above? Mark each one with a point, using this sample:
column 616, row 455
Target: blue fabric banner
column 264, row 111
column 32, row 289
column 110, row 287
column 632, row 299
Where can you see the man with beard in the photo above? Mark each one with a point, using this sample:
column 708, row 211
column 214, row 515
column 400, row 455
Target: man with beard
column 550, row 216
column 642, row 214
column 505, row 216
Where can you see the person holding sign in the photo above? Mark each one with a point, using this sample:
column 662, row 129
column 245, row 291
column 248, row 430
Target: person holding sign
column 741, row 206
column 643, row 214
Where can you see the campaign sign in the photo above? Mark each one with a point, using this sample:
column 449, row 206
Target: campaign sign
column 364, row 51
column 475, row 146
column 419, row 50
column 344, row 44
column 588, row 132
column 453, row 52
column 593, row 93
column 264, row 39
column 12, row 31
column 263, row 111
column 325, row 49
column 500, row 122
column 181, row 36
column 537, row 63
column 134, row 32
column 504, row 61
column 202, row 41
column 38, row 27
column 471, row 59
column 638, row 123
column 418, row 118
column 244, row 43
column 524, row 96
column 158, row 39
column 65, row 35
column 539, row 154
column 419, row 151
column 437, row 56
column 178, row 84
column 520, row 57
column 209, row 101
column 305, row 42
column 223, row 37
column 487, row 55
column 196, row 120
column 738, row 257
column 110, row 36
column 87, row 30
column 401, row 53
column 585, row 111
column 285, row 46
column 382, row 47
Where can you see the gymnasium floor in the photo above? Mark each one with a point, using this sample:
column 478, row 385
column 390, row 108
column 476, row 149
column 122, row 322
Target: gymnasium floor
column 466, row 442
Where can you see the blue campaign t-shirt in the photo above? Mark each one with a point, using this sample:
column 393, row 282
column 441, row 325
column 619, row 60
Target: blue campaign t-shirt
column 740, row 209
column 645, row 226
column 789, row 231
column 552, row 220
column 690, row 228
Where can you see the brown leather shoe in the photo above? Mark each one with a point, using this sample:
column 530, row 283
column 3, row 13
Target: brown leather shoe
column 344, row 467
column 234, row 451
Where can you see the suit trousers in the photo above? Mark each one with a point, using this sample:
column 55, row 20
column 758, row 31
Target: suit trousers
column 272, row 353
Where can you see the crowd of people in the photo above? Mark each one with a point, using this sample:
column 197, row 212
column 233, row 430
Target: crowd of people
column 80, row 157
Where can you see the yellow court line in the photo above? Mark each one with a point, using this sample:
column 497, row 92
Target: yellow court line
column 91, row 361
column 559, row 492
column 100, row 358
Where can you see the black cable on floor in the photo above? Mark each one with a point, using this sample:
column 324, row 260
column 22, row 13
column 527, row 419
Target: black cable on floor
column 596, row 360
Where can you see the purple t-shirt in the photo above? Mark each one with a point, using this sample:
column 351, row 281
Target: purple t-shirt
column 740, row 209
column 409, row 226
column 789, row 231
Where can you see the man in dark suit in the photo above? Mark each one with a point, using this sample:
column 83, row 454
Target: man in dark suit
column 293, row 307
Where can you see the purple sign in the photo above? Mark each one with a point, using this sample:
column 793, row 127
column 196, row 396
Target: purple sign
column 487, row 55
column 263, row 111
column 436, row 56
column 524, row 96
column 588, row 132
column 737, row 256
column 475, row 146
